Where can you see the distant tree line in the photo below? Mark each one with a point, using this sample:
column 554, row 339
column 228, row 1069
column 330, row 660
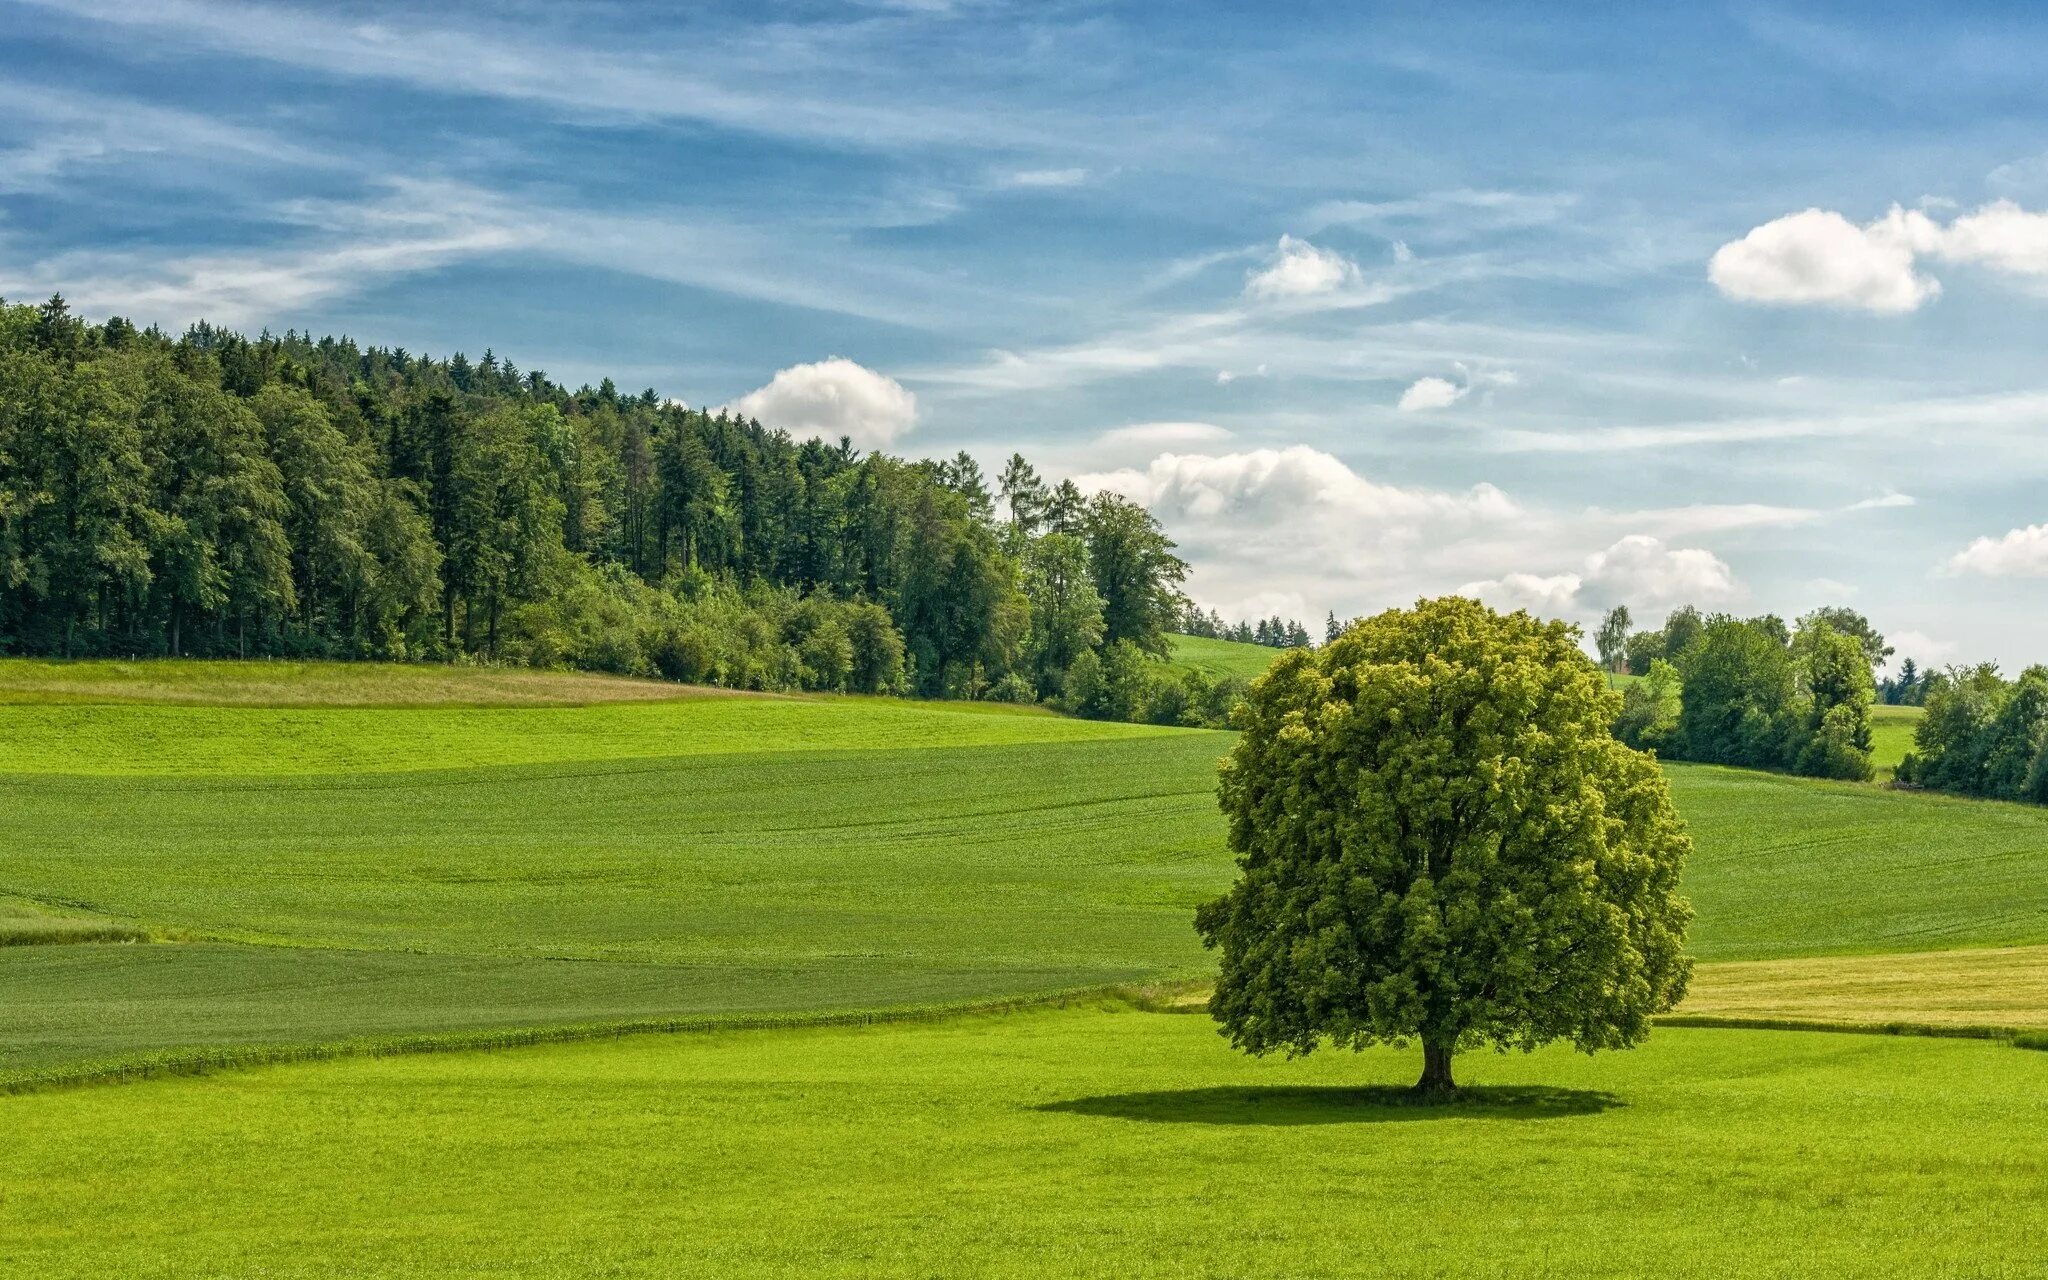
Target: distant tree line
column 1983, row 735
column 1750, row 691
column 1275, row 632
column 219, row 495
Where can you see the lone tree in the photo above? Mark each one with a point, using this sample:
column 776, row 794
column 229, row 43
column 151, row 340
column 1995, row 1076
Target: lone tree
column 1440, row 839
column 1612, row 638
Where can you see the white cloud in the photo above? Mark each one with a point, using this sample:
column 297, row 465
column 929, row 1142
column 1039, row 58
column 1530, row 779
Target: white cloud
column 1460, row 211
column 1290, row 481
column 1299, row 269
column 414, row 226
column 1430, row 393
column 1883, row 502
column 1546, row 597
column 1923, row 649
column 2002, row 236
column 1820, row 257
column 1638, row 570
column 834, row 398
column 1442, row 393
column 1161, row 435
column 1402, row 253
column 1045, row 178
column 2022, row 553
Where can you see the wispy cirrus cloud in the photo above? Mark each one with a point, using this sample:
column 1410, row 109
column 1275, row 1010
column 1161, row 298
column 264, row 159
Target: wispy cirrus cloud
column 763, row 81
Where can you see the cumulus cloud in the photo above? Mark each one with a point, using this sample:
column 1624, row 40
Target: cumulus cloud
column 1289, row 482
column 1819, row 257
column 2022, row 553
column 1638, row 570
column 1441, row 393
column 1299, row 269
column 834, row 398
column 1268, row 524
column 1430, row 393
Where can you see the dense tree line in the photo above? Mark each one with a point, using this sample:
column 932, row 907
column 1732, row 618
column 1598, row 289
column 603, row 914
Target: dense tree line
column 219, row 495
column 1751, row 691
column 1983, row 735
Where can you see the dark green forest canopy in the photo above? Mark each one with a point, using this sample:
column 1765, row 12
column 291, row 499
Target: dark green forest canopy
column 219, row 495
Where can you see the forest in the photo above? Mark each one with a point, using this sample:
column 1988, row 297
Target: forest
column 219, row 495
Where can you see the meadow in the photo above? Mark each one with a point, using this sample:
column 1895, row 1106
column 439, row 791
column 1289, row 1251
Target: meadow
column 1094, row 1140
column 1220, row 659
column 360, row 873
column 816, row 887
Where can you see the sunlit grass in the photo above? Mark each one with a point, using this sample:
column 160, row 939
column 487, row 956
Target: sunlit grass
column 1057, row 1143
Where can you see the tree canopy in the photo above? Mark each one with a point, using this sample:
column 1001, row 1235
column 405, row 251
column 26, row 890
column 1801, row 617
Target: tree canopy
column 220, row 495
column 1439, row 839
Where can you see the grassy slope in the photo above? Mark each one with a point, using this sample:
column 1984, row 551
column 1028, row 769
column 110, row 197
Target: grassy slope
column 1218, row 658
column 1080, row 1142
column 1053, row 1143
column 760, row 855
column 1891, row 736
column 961, row 854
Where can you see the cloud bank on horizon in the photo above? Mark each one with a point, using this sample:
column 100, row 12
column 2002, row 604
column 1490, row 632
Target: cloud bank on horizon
column 1364, row 311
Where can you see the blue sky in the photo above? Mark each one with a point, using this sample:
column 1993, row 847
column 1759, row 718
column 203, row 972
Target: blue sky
column 1741, row 305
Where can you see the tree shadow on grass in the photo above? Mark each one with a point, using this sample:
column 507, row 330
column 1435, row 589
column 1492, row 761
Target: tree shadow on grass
column 1336, row 1104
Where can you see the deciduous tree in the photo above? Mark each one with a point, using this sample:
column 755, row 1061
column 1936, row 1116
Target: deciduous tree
column 1440, row 840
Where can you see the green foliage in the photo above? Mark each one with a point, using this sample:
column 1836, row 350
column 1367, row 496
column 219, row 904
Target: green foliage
column 218, row 496
column 1612, row 638
column 1835, row 672
column 1983, row 735
column 1741, row 697
column 1440, row 839
column 1135, row 570
column 1847, row 622
column 1752, row 696
column 1650, row 709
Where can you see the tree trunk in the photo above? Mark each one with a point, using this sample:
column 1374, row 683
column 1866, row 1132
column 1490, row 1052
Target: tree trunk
column 1436, row 1084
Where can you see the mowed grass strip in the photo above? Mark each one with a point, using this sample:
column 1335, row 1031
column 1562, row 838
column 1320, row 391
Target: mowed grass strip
column 1052, row 1143
column 2001, row 988
column 271, row 683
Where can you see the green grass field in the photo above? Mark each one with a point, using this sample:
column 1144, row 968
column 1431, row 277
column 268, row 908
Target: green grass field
column 1220, row 658
column 340, row 875
column 329, row 872
column 1079, row 1142
column 1891, row 736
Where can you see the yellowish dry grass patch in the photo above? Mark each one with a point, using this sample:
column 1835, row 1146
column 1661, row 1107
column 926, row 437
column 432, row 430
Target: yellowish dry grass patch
column 324, row 684
column 2005, row 987
column 1996, row 988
